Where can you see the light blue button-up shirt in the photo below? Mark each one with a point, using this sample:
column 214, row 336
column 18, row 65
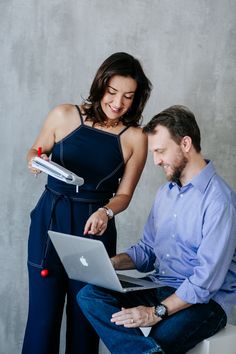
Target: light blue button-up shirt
column 189, row 240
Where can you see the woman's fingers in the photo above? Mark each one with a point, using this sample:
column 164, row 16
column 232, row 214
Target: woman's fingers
column 96, row 224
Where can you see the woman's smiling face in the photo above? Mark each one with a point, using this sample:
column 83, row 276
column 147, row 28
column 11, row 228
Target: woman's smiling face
column 118, row 97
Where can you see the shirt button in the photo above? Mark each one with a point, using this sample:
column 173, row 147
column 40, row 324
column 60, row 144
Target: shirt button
column 173, row 235
column 174, row 215
column 163, row 272
column 167, row 255
column 181, row 195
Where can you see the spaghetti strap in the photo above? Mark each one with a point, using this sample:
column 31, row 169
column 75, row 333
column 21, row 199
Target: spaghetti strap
column 80, row 114
column 122, row 131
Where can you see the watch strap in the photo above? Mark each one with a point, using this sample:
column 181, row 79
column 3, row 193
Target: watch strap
column 108, row 211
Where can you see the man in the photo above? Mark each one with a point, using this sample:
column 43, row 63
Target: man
column 189, row 241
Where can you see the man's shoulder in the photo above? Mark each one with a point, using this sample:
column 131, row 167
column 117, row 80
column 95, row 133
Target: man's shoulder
column 221, row 191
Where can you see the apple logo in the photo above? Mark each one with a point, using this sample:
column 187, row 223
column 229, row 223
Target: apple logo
column 83, row 261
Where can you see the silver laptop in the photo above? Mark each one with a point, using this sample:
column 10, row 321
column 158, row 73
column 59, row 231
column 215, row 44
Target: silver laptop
column 87, row 260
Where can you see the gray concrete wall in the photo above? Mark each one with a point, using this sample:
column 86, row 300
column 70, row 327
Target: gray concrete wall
column 49, row 52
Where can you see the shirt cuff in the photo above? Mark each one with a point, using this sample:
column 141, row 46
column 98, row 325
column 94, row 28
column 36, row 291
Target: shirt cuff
column 141, row 260
column 193, row 294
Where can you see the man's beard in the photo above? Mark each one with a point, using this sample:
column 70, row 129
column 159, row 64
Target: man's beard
column 178, row 169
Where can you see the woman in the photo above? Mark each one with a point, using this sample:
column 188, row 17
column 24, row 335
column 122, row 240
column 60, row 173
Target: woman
column 102, row 142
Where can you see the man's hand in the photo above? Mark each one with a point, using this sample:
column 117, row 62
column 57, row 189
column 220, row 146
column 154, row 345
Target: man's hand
column 122, row 261
column 140, row 316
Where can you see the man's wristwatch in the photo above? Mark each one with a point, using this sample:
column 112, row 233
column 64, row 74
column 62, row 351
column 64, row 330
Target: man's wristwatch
column 108, row 211
column 161, row 311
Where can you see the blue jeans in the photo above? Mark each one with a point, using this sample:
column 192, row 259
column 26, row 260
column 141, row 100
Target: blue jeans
column 175, row 335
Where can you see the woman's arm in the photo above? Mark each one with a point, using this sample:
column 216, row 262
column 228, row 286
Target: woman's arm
column 135, row 156
column 134, row 147
column 59, row 122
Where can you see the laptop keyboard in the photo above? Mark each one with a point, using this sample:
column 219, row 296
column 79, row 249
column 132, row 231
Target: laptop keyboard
column 126, row 284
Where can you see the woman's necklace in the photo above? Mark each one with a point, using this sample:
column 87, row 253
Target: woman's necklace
column 109, row 123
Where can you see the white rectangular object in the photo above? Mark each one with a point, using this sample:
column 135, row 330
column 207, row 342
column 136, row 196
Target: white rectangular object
column 223, row 342
column 56, row 171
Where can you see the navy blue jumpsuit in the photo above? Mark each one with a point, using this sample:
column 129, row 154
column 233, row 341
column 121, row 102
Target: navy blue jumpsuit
column 96, row 156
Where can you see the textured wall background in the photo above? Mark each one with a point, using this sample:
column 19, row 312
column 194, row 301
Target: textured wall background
column 50, row 51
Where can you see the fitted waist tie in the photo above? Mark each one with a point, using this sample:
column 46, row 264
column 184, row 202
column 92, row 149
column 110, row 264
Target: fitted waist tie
column 86, row 195
column 65, row 227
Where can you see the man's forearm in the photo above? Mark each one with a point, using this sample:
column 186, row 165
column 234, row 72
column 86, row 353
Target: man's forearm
column 175, row 304
column 122, row 261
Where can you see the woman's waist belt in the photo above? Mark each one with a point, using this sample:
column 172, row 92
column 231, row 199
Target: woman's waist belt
column 84, row 197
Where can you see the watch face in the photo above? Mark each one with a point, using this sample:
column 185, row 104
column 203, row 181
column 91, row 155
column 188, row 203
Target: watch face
column 109, row 213
column 161, row 311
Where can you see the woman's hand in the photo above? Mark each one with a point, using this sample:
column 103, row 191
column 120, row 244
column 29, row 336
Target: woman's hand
column 96, row 223
column 33, row 170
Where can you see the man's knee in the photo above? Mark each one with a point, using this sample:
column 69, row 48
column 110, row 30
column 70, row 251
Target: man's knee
column 85, row 294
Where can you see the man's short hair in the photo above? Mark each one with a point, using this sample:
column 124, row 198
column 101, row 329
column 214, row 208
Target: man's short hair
column 180, row 122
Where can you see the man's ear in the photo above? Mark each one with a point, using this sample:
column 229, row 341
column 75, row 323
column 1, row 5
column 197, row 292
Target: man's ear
column 186, row 143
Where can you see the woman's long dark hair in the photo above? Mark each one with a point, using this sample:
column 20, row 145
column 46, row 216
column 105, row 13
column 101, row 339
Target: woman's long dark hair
column 121, row 64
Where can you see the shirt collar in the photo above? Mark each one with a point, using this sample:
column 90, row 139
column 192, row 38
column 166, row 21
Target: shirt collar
column 202, row 179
